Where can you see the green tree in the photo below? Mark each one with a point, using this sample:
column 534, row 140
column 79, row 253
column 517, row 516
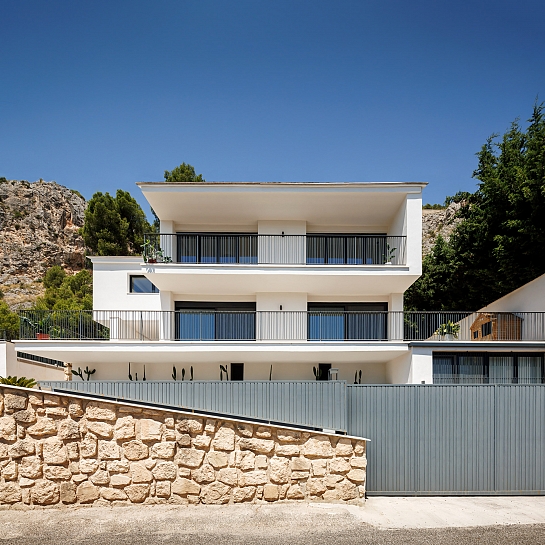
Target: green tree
column 66, row 292
column 183, row 173
column 497, row 247
column 114, row 225
column 9, row 322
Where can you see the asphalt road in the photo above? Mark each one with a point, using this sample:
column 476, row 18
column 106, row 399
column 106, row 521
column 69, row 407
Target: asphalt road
column 244, row 525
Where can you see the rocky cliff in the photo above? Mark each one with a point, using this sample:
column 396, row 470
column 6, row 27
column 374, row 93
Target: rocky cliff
column 438, row 222
column 39, row 225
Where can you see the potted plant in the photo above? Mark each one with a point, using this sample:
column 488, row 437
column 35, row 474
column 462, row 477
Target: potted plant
column 153, row 254
column 389, row 255
column 448, row 331
column 41, row 327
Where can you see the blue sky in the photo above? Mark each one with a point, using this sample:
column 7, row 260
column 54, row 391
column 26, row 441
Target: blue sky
column 98, row 95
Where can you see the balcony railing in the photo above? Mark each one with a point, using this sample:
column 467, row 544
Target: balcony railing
column 248, row 249
column 281, row 326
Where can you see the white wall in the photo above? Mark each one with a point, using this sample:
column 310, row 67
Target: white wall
column 11, row 366
column 415, row 367
column 111, row 285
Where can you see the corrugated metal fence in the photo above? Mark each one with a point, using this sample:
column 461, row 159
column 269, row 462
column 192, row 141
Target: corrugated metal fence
column 313, row 404
column 464, row 439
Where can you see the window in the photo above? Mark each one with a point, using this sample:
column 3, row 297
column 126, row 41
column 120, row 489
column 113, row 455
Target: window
column 347, row 321
column 237, row 371
column 488, row 368
column 486, row 329
column 140, row 284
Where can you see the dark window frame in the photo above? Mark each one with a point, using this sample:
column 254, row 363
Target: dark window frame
column 154, row 288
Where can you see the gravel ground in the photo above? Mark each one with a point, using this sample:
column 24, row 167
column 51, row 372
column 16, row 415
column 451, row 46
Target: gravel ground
column 264, row 525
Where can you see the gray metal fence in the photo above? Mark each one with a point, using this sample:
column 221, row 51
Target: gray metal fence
column 445, row 439
column 312, row 404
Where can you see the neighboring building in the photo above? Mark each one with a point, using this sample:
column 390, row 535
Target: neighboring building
column 289, row 281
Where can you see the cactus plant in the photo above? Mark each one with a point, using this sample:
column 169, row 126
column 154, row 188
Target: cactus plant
column 79, row 373
column 356, row 381
column 317, row 373
column 223, row 369
column 270, row 373
column 183, row 373
column 130, row 376
column 174, row 373
column 191, row 369
column 88, row 372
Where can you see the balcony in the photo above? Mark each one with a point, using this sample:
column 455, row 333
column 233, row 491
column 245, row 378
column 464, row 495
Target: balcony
column 254, row 249
column 281, row 326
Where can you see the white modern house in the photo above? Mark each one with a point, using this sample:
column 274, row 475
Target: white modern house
column 284, row 281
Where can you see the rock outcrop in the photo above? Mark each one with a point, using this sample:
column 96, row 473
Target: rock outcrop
column 39, row 225
column 438, row 222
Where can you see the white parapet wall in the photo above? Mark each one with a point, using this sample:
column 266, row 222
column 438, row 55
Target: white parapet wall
column 11, row 365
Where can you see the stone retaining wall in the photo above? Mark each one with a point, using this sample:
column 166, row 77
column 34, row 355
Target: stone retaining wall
column 68, row 450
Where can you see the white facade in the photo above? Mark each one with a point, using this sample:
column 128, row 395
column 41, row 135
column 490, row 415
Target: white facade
column 286, row 278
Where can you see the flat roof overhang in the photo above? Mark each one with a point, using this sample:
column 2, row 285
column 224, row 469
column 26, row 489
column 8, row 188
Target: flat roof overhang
column 234, row 280
column 342, row 204
column 92, row 352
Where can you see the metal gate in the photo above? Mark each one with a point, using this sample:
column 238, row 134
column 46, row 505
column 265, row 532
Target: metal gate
column 451, row 439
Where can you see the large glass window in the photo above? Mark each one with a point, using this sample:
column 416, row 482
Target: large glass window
column 140, row 284
column 347, row 249
column 347, row 321
column 215, row 321
column 217, row 248
column 488, row 368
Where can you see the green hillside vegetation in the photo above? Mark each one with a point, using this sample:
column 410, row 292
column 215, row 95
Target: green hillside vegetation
column 498, row 246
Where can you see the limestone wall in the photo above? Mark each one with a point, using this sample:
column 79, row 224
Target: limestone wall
column 68, row 450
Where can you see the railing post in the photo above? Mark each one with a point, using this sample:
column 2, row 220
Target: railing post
column 115, row 328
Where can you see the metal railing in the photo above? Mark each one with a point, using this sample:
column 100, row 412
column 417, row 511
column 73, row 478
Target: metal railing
column 251, row 248
column 212, row 325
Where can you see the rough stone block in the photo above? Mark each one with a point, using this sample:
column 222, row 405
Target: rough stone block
column 35, row 399
column 56, row 411
column 344, row 447
column 25, row 417
column 246, row 493
column 339, row 465
column 54, row 451
column 118, row 466
column 30, row 467
column 43, row 426
column 224, row 439
column 356, row 475
column 189, row 458
column 8, row 428
column 215, row 493
column 88, row 466
column 245, row 460
column 205, row 474
column 150, row 430
column 22, row 448
column 100, row 477
column 15, row 402
column 270, row 492
column 100, row 429
column 140, row 474
column 183, row 487
column 88, row 447
column 55, row 473
column 347, row 491
column 120, row 480
column 217, row 459
column 244, row 430
column 135, row 450
column 124, row 428
column 228, row 475
column 295, row 493
column 190, row 425
column 137, row 493
column 300, row 464
column 317, row 446
column 252, row 478
column 287, row 450
column 87, row 492
column 45, row 493
column 210, row 425
column 162, row 489
column 10, row 471
column 359, row 463
column 165, row 471
column 319, row 468
column 3, row 451
column 163, row 450
column 9, row 493
column 74, row 408
column 315, row 487
column 68, row 429
column 100, row 411
column 73, row 451
column 113, row 494
column 202, row 441
column 261, row 446
column 51, row 400
column 263, row 433
column 288, row 436
column 108, row 450
column 279, row 470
